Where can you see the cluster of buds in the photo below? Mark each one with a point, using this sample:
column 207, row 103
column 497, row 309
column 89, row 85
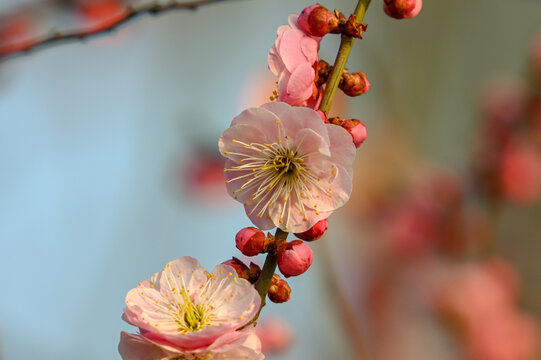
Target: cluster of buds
column 352, row 84
column 316, row 20
column 293, row 258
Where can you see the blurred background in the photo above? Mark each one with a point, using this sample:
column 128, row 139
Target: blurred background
column 109, row 169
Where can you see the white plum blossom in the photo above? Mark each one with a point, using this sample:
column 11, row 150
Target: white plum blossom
column 185, row 312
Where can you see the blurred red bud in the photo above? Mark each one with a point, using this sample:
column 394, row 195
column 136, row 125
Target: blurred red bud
column 402, row 9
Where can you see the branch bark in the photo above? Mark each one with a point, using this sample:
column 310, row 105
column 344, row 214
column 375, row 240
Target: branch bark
column 128, row 14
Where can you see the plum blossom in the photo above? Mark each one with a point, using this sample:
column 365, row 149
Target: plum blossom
column 185, row 312
column 286, row 166
column 293, row 58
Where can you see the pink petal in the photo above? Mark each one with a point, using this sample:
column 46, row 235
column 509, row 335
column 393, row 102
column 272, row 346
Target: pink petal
column 290, row 49
column 310, row 48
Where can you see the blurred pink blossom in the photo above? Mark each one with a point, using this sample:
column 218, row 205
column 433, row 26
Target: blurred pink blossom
column 506, row 335
column 475, row 292
column 276, row 335
column 521, row 173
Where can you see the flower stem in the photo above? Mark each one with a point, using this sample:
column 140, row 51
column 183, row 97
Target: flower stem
column 341, row 60
column 263, row 283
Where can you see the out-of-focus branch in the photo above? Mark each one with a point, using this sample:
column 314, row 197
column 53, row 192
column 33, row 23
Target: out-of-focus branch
column 124, row 16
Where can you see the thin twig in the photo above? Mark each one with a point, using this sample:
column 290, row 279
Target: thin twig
column 341, row 60
column 129, row 13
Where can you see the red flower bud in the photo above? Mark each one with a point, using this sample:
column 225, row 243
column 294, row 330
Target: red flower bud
column 279, row 290
column 354, row 84
column 316, row 20
column 294, row 258
column 242, row 270
column 250, row 241
column 402, row 9
column 315, row 232
column 255, row 271
column 355, row 127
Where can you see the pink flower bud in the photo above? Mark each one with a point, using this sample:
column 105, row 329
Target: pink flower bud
column 317, row 21
column 355, row 127
column 294, row 258
column 402, row 9
column 315, row 232
column 279, row 290
column 322, row 116
column 354, row 84
column 250, row 241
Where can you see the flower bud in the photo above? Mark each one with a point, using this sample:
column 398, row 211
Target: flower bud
column 242, row 270
column 323, row 72
column 355, row 127
column 294, row 258
column 315, row 232
column 250, row 241
column 279, row 290
column 354, row 84
column 317, row 21
column 255, row 271
column 402, row 9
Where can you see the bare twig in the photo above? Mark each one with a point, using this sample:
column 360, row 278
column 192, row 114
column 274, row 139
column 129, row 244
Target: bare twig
column 129, row 13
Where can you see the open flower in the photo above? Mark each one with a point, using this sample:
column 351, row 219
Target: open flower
column 185, row 312
column 293, row 58
column 286, row 166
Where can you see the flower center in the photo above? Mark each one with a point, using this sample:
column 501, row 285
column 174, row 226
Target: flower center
column 276, row 172
column 286, row 165
column 191, row 317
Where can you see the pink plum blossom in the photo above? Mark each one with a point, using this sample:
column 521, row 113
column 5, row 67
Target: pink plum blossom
column 293, row 58
column 286, row 166
column 185, row 312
